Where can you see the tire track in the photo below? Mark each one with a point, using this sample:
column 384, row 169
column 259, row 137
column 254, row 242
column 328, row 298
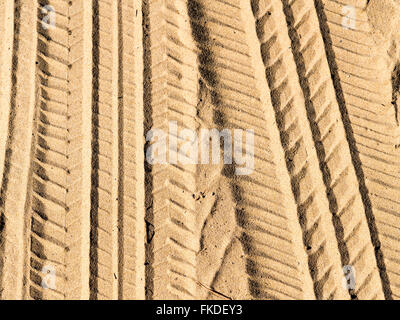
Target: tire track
column 15, row 180
column 287, row 98
column 330, row 140
column 58, row 226
column 365, row 113
column 213, row 202
column 262, row 222
column 171, row 80
column 105, row 215
column 6, row 58
column 86, row 214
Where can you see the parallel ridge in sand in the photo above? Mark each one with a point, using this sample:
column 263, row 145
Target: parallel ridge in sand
column 84, row 214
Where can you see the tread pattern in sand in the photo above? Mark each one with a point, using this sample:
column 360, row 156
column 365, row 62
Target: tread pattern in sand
column 83, row 99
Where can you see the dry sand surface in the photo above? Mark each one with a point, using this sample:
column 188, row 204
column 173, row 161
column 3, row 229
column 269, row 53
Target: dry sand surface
column 84, row 214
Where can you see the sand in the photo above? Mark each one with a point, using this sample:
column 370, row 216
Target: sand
column 84, row 212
